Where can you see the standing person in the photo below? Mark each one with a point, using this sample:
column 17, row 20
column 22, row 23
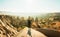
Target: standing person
column 29, row 25
column 29, row 22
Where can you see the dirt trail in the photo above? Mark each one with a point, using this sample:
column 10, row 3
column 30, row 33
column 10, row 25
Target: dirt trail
column 34, row 33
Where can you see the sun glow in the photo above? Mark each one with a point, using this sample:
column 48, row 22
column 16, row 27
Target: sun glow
column 29, row 7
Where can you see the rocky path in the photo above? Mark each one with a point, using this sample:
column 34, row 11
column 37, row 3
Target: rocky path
column 34, row 33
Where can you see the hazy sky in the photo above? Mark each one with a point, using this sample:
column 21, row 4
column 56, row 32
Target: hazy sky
column 30, row 6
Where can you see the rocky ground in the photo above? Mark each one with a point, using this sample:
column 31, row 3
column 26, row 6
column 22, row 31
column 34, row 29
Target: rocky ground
column 7, row 30
column 14, row 27
column 34, row 33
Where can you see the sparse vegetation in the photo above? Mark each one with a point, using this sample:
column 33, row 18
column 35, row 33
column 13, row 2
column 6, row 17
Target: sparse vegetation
column 17, row 23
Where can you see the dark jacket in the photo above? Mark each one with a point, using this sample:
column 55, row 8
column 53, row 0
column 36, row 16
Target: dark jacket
column 29, row 23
